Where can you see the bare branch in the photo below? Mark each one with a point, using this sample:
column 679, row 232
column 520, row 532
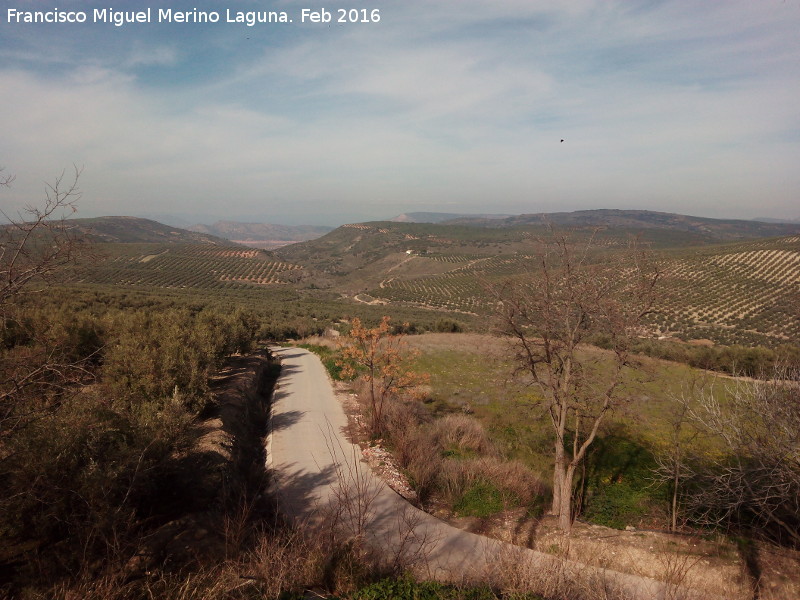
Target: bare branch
column 755, row 483
column 570, row 296
column 40, row 241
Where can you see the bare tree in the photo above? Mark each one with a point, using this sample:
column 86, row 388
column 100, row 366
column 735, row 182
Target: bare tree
column 673, row 464
column 34, row 247
column 569, row 297
column 39, row 241
column 5, row 180
column 754, row 484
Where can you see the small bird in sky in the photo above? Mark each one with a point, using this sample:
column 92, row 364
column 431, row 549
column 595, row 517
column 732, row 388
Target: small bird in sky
column 562, row 141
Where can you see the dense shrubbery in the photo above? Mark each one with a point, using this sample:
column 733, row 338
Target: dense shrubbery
column 97, row 406
column 617, row 485
column 283, row 313
column 453, row 460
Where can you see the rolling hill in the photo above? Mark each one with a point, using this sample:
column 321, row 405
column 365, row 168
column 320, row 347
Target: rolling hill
column 730, row 292
column 362, row 250
column 743, row 291
column 716, row 229
column 747, row 292
column 138, row 230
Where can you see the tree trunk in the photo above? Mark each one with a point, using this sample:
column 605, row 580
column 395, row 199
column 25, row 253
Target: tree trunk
column 675, row 484
column 565, row 509
column 558, row 478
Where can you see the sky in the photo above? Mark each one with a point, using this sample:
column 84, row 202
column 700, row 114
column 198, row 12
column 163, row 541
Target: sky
column 454, row 106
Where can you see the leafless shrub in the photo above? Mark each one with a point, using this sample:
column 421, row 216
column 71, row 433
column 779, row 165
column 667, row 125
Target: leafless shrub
column 755, row 484
column 454, row 478
column 401, row 419
column 408, row 542
column 285, row 562
column 40, row 241
column 424, row 465
column 237, row 526
column 349, row 507
column 513, row 477
column 216, row 583
column 675, row 568
column 517, row 574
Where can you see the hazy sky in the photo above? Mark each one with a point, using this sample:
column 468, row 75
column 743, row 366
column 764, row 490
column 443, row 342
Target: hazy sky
column 442, row 105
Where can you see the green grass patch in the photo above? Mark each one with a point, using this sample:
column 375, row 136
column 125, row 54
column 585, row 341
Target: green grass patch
column 470, row 370
column 617, row 505
column 482, row 499
column 408, row 589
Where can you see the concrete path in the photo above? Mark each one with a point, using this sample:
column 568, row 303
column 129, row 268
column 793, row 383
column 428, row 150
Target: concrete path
column 316, row 468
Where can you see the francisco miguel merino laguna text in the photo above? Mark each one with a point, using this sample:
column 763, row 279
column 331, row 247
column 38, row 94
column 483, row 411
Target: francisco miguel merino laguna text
column 163, row 15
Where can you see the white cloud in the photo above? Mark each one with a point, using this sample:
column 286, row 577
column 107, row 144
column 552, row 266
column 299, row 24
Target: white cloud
column 145, row 54
column 688, row 108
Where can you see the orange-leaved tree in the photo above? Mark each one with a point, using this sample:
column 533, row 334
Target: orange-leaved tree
column 381, row 359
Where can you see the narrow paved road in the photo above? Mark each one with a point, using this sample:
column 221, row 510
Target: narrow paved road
column 316, row 467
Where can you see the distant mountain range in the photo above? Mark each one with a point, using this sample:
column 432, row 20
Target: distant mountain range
column 261, row 235
column 264, row 235
column 437, row 217
column 771, row 220
column 719, row 229
column 714, row 229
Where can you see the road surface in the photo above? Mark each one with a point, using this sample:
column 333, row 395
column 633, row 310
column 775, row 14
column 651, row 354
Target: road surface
column 317, row 468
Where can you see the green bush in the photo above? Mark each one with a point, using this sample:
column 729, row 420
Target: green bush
column 618, row 488
column 79, row 480
column 482, row 499
column 617, row 505
column 448, row 326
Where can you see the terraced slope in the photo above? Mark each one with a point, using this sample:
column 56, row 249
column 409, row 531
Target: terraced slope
column 747, row 292
column 737, row 293
column 186, row 266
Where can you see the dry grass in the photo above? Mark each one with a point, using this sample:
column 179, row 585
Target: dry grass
column 515, row 576
column 462, row 434
column 680, row 563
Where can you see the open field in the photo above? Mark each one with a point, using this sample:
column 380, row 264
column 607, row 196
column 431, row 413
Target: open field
column 474, row 372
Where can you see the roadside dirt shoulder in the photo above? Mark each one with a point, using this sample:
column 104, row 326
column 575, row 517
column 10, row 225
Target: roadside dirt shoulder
column 225, row 470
